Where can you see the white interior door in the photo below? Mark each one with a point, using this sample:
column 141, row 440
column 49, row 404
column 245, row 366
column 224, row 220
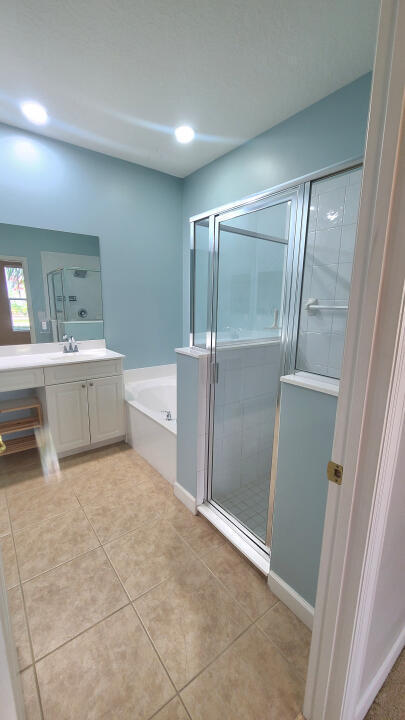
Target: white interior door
column 357, row 512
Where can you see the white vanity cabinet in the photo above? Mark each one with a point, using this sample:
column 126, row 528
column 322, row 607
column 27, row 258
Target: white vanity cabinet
column 82, row 395
column 88, row 411
column 68, row 415
column 106, row 408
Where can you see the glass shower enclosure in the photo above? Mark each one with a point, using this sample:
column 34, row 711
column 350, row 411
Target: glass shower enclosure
column 245, row 264
column 270, row 284
column 75, row 303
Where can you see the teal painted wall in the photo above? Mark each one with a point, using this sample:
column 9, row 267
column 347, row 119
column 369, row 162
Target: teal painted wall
column 141, row 216
column 135, row 212
column 307, row 424
column 329, row 132
column 29, row 242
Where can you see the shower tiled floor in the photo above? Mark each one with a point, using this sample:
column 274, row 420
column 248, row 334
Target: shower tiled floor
column 249, row 504
column 124, row 605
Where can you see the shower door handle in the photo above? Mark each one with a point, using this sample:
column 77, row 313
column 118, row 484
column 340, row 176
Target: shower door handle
column 214, row 373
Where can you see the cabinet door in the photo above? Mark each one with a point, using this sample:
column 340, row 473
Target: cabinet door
column 106, row 408
column 68, row 415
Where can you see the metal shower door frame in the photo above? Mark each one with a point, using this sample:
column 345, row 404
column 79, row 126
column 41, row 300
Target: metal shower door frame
column 297, row 195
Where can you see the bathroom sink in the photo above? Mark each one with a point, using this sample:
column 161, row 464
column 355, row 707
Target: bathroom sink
column 61, row 356
column 31, row 360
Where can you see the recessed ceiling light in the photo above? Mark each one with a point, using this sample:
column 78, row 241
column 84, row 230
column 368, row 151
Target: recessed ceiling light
column 34, row 112
column 184, row 134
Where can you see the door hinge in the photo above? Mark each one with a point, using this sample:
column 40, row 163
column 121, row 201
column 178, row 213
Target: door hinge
column 214, row 372
column 335, row 472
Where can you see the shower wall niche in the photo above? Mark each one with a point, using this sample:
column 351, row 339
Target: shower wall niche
column 76, row 303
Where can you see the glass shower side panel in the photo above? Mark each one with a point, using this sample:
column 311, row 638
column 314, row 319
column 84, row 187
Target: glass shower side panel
column 56, row 302
column 331, row 235
column 252, row 255
column 200, row 282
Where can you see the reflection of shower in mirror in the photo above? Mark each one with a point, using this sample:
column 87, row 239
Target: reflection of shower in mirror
column 75, row 303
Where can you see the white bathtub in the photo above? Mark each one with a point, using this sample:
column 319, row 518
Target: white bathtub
column 149, row 398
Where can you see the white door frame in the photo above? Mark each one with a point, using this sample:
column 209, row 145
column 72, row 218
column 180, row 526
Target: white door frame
column 367, row 421
column 24, row 263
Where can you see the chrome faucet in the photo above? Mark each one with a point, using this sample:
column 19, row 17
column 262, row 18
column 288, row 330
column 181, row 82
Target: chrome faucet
column 70, row 345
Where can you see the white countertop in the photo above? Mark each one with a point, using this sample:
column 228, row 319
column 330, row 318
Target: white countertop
column 194, row 351
column 310, row 381
column 57, row 357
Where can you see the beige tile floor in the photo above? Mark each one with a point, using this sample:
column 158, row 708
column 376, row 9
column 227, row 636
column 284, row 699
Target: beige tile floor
column 125, row 606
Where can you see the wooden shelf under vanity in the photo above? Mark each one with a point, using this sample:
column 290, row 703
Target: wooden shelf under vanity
column 17, row 425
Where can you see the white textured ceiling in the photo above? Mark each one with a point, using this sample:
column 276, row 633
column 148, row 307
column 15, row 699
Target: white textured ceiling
column 118, row 75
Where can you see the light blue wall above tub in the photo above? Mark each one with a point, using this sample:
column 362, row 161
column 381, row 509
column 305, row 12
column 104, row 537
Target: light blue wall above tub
column 307, row 423
column 331, row 131
column 141, row 215
column 135, row 212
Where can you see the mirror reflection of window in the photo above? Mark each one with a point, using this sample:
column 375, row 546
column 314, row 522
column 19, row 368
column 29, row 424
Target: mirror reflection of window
column 17, row 298
column 15, row 326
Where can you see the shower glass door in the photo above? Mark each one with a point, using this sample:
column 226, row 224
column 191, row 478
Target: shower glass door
column 253, row 262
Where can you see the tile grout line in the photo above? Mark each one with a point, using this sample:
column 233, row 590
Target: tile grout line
column 82, row 632
column 140, row 620
column 85, row 552
column 61, row 564
column 223, row 586
column 161, row 516
column 252, row 622
column 248, row 627
column 224, row 650
column 227, row 592
column 20, row 586
column 33, row 665
column 269, row 639
column 155, row 714
column 48, row 519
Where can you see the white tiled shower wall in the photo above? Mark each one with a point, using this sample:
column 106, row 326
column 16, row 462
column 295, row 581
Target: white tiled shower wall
column 327, row 271
column 245, row 407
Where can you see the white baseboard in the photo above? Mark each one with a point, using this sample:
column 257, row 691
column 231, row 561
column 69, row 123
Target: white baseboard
column 185, row 497
column 93, row 446
column 300, row 607
column 379, row 678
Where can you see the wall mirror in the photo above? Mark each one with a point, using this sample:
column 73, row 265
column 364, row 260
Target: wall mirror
column 50, row 286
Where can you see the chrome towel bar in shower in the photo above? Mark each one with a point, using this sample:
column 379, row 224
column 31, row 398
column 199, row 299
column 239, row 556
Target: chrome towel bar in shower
column 312, row 304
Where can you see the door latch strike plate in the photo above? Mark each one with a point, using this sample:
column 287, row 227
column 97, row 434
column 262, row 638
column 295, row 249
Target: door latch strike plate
column 335, row 472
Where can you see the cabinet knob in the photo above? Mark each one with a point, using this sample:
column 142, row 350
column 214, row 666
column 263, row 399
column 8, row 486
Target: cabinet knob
column 91, row 384
column 83, row 386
